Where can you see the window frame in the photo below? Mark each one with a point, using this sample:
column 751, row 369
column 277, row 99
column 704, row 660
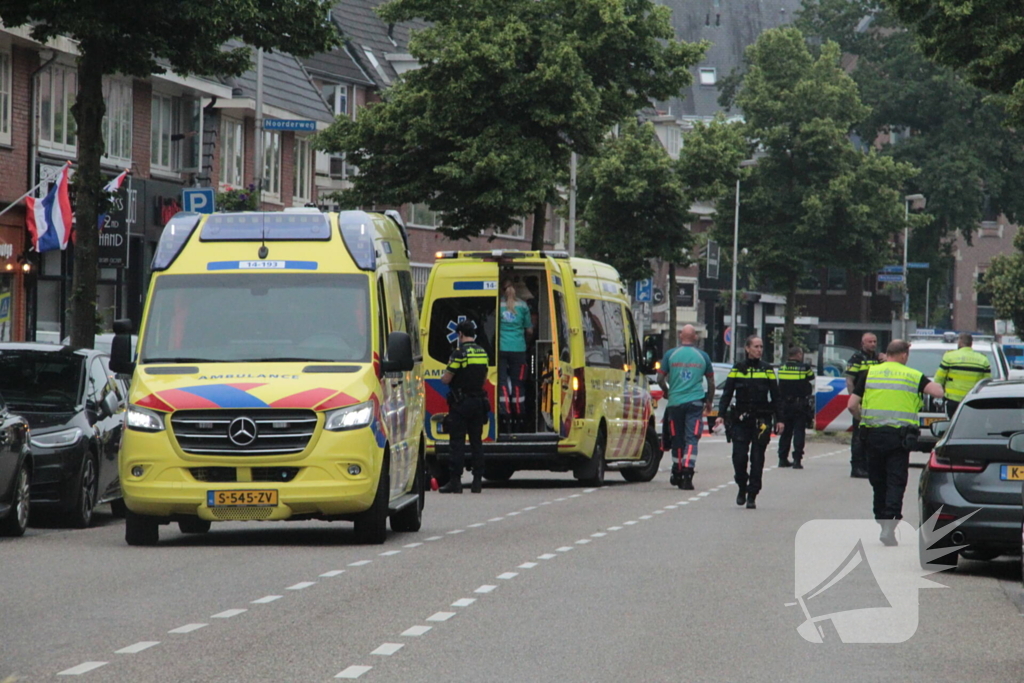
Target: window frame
column 707, row 71
column 68, row 74
column 236, row 177
column 272, row 165
column 6, row 93
column 118, row 96
column 156, row 137
column 302, row 167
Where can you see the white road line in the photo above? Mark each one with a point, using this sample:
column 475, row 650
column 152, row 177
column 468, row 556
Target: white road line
column 512, row 514
column 359, row 563
column 583, row 541
column 615, row 528
column 589, row 490
column 269, row 598
column 228, row 613
column 477, row 525
column 703, row 494
column 389, row 553
column 532, row 507
column 456, row 531
column 416, row 630
column 630, row 522
column 575, row 495
column 495, row 519
column 644, row 517
column 527, row 565
column 598, row 534
column 434, row 538
column 657, row 512
column 564, row 549
column 388, row 649
column 354, row 671
column 546, row 502
column 507, row 575
column 463, row 602
column 82, row 668
column 683, row 502
column 412, row 545
column 137, row 647
column 441, row 616
column 300, row 585
column 695, row 498
column 671, row 507
column 485, row 589
column 187, row 628
column 559, row 500
column 547, row 556
column 333, row 572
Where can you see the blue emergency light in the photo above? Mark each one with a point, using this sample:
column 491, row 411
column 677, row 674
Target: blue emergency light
column 273, row 226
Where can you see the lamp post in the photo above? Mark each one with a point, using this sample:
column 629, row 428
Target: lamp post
column 906, row 275
column 746, row 163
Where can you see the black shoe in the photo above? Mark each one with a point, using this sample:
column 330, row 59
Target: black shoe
column 797, row 465
column 453, row 486
column 751, row 505
column 478, row 485
column 784, row 462
column 741, row 497
column 859, row 473
column 686, row 481
column 674, row 480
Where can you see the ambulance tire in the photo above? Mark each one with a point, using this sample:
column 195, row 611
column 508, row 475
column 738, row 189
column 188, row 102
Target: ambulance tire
column 591, row 471
column 651, row 458
column 193, row 525
column 372, row 525
column 410, row 518
column 141, row 529
column 497, row 472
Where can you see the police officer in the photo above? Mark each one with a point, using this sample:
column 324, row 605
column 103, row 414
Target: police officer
column 960, row 370
column 887, row 400
column 796, row 388
column 750, row 424
column 467, row 406
column 860, row 362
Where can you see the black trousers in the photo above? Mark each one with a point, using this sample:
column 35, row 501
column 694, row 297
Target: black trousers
column 467, row 417
column 888, row 470
column 795, row 418
column 857, row 457
column 951, row 407
column 749, row 440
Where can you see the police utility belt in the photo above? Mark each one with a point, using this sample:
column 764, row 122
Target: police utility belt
column 908, row 434
column 459, row 395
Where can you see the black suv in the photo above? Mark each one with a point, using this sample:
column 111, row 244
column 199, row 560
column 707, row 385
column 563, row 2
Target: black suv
column 74, row 406
column 974, row 470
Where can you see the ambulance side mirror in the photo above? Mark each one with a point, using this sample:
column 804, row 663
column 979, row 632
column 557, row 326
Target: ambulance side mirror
column 653, row 353
column 121, row 348
column 399, row 356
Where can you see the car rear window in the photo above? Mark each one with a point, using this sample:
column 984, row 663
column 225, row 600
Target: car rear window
column 989, row 418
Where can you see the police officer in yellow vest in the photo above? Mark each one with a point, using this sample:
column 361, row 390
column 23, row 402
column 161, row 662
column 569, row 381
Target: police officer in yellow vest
column 960, row 370
column 887, row 399
column 468, row 407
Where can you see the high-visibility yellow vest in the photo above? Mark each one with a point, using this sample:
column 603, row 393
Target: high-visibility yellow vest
column 891, row 398
column 960, row 370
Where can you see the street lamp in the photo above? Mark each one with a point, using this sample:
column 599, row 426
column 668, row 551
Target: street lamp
column 746, row 163
column 915, row 198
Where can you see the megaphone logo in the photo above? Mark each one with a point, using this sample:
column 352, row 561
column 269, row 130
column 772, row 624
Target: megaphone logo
column 853, row 589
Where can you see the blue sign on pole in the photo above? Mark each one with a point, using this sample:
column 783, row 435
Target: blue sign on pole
column 289, row 124
column 644, row 290
column 891, row 269
column 198, row 199
column 885, row 277
column 918, row 265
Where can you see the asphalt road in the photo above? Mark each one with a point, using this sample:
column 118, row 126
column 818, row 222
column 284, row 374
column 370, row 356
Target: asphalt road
column 537, row 579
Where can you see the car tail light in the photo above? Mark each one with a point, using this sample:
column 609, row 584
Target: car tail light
column 937, row 464
column 579, row 394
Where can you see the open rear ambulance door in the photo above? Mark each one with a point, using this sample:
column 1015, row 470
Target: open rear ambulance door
column 557, row 370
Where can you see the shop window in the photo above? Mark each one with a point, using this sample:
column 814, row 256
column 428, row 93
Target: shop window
column 232, row 157
column 117, row 121
column 56, row 90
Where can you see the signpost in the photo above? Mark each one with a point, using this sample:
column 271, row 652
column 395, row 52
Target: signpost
column 714, row 259
column 290, row 124
column 727, row 336
column 887, row 277
column 199, row 199
column 644, row 290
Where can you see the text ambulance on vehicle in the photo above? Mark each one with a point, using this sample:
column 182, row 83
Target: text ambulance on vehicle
column 587, row 406
column 277, row 376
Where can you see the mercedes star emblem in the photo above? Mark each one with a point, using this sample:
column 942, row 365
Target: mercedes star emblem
column 242, row 431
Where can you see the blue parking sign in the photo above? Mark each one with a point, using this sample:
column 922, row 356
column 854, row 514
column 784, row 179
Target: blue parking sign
column 198, row 200
column 644, row 290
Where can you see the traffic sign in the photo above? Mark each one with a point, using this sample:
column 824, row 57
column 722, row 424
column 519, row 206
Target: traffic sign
column 727, row 336
column 918, row 265
column 714, row 260
column 199, row 200
column 883, row 277
column 644, row 290
column 891, row 269
column 289, row 124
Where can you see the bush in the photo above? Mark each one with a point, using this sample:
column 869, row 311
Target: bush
column 238, row 200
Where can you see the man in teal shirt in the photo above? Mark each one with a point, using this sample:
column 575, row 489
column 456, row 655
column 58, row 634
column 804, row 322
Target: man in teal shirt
column 681, row 377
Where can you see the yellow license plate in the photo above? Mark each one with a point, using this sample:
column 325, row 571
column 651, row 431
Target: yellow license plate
column 250, row 498
column 927, row 421
column 1011, row 473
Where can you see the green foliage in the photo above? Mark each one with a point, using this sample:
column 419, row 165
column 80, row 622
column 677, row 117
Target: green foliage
column 709, row 163
column 633, row 204
column 483, row 130
column 1004, row 281
column 981, row 37
column 238, row 199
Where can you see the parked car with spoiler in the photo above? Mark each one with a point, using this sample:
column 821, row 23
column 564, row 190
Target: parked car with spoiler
column 277, row 376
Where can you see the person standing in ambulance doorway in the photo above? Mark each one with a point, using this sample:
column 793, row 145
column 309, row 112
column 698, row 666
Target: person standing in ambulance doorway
column 796, row 387
column 749, row 422
column 681, row 376
column 515, row 327
column 468, row 407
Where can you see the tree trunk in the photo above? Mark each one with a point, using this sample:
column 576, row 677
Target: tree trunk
column 88, row 111
column 673, row 333
column 790, row 324
column 540, row 217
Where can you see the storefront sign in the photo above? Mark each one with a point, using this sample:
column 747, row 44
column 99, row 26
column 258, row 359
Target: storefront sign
column 113, row 237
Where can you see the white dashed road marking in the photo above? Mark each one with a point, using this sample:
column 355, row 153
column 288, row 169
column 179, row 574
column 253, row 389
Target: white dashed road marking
column 360, row 563
column 463, row 602
column 527, row 565
column 703, row 494
column 434, row 538
column 615, row 528
column 137, row 647
column 508, row 575
column 598, row 534
column 512, row 514
column 485, row 589
column 630, row 522
column 583, row 541
column 416, row 630
column 354, row 672
column 456, row 531
column 187, row 628
column 228, row 613
column 412, row 545
column 388, row 649
column 532, row 507
column 547, row 556
column 564, row 549
column 269, row 598
column 477, row 525
column 306, row 584
column 441, row 616
column 495, row 519
column 389, row 553
column 333, row 572
column 82, row 668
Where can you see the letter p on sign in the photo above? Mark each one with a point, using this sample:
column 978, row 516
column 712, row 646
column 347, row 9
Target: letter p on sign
column 198, row 200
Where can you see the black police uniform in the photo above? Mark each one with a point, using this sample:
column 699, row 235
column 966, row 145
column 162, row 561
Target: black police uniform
column 468, row 408
column 796, row 388
column 859, row 364
column 750, row 422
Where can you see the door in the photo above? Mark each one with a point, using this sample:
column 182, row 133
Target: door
column 560, row 393
column 638, row 393
column 100, row 385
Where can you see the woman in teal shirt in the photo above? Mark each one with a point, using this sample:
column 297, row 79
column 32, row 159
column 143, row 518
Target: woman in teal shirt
column 515, row 327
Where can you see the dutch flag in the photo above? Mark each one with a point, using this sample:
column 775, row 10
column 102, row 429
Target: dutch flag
column 49, row 218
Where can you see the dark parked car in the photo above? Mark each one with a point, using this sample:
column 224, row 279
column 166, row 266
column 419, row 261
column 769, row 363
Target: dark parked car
column 15, row 473
column 74, row 406
column 974, row 470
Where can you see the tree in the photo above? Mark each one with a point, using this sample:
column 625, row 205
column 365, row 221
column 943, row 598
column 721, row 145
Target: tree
column 812, row 199
column 982, row 37
column 113, row 38
column 483, row 130
column 1004, row 281
column 971, row 163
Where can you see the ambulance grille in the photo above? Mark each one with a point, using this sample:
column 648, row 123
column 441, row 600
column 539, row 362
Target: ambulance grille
column 277, row 431
column 241, row 514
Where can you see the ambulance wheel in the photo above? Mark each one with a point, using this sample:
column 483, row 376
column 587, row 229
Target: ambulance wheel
column 410, row 518
column 496, row 472
column 193, row 525
column 141, row 529
column 372, row 525
column 651, row 458
column 591, row 471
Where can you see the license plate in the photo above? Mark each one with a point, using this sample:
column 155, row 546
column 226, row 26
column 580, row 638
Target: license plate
column 927, row 421
column 251, row 498
column 1011, row 472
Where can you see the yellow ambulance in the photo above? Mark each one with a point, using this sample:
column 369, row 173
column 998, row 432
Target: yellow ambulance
column 585, row 401
column 278, row 376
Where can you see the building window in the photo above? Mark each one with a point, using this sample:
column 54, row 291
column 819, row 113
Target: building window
column 117, row 122
column 708, row 76
column 232, row 158
column 57, row 88
column 164, row 124
column 302, row 171
column 337, row 97
column 272, row 163
column 836, row 279
column 422, row 217
column 5, row 97
column 517, row 230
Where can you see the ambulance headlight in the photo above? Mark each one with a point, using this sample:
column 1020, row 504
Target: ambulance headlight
column 143, row 420
column 350, row 417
